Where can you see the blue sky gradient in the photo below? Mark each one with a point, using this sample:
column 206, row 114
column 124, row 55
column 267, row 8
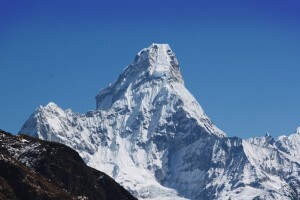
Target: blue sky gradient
column 240, row 59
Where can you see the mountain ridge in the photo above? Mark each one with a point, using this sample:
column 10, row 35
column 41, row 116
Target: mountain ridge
column 150, row 133
column 37, row 169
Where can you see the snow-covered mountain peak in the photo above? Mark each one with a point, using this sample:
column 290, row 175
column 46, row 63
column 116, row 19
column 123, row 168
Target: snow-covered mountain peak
column 152, row 85
column 265, row 141
column 50, row 105
column 155, row 62
column 267, row 134
column 159, row 61
column 155, row 68
column 51, row 108
column 153, row 137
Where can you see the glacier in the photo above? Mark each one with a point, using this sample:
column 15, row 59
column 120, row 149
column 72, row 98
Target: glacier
column 151, row 135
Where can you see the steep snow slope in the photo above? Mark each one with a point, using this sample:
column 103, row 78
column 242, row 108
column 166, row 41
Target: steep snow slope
column 153, row 137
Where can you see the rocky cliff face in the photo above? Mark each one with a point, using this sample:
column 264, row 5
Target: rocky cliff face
column 36, row 169
column 151, row 135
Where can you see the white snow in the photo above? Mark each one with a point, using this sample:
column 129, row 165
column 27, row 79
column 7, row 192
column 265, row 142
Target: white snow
column 150, row 134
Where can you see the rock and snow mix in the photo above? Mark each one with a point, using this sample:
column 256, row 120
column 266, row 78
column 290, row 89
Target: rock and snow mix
column 36, row 169
column 151, row 135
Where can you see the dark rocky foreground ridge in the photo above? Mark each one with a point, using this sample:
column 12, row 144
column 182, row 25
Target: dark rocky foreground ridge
column 34, row 169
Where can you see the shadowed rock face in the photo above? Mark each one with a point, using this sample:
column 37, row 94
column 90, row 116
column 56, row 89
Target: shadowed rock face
column 35, row 169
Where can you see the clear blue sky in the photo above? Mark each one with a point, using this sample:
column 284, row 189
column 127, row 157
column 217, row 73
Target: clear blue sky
column 240, row 59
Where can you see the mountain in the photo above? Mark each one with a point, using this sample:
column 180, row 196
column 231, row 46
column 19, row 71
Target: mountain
column 35, row 169
column 150, row 134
